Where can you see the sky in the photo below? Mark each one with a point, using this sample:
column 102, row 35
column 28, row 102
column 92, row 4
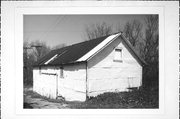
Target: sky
column 69, row 29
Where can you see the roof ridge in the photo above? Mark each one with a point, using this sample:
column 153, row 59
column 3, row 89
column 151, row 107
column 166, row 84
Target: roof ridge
column 88, row 40
column 74, row 51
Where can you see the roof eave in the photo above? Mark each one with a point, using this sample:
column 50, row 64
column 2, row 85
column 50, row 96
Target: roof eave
column 142, row 61
column 60, row 65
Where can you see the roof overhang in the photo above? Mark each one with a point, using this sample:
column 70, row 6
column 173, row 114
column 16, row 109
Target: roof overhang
column 99, row 47
column 141, row 61
column 109, row 39
column 59, row 65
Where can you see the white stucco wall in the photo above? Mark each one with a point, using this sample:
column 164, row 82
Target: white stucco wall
column 72, row 86
column 106, row 75
column 45, row 81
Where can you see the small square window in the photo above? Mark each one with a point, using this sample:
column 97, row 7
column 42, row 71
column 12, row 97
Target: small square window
column 118, row 54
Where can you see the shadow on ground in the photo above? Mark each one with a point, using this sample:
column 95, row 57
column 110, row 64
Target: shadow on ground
column 123, row 100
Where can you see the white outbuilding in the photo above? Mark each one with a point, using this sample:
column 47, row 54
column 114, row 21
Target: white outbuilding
column 87, row 69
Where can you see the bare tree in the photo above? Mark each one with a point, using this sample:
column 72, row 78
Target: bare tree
column 133, row 31
column 31, row 53
column 147, row 46
column 39, row 49
column 97, row 30
column 151, row 51
column 151, row 47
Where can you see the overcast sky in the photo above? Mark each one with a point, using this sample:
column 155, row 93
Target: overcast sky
column 68, row 29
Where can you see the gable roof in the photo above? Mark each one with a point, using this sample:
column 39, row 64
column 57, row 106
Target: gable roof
column 133, row 51
column 80, row 52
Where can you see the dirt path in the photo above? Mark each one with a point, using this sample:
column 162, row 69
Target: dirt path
column 40, row 103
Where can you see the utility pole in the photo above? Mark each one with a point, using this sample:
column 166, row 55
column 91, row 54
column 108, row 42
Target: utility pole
column 37, row 47
column 26, row 66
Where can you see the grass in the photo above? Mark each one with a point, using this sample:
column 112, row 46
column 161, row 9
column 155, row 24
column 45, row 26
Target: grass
column 123, row 100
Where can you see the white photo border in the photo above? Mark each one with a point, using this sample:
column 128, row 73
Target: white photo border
column 57, row 7
column 19, row 12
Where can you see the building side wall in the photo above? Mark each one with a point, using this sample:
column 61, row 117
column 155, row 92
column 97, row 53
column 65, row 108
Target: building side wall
column 73, row 85
column 107, row 75
column 45, row 80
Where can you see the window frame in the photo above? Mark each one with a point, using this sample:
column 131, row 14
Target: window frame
column 121, row 53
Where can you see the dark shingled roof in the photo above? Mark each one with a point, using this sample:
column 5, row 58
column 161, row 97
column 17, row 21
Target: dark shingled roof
column 71, row 53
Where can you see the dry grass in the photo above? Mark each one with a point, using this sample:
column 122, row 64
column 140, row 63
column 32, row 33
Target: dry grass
column 122, row 100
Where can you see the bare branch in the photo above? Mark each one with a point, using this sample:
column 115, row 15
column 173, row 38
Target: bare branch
column 97, row 30
column 152, row 38
column 133, row 31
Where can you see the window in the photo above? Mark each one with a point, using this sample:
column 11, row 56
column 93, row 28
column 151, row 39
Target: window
column 118, row 54
column 61, row 73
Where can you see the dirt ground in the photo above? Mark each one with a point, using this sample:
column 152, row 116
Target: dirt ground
column 122, row 100
column 38, row 103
